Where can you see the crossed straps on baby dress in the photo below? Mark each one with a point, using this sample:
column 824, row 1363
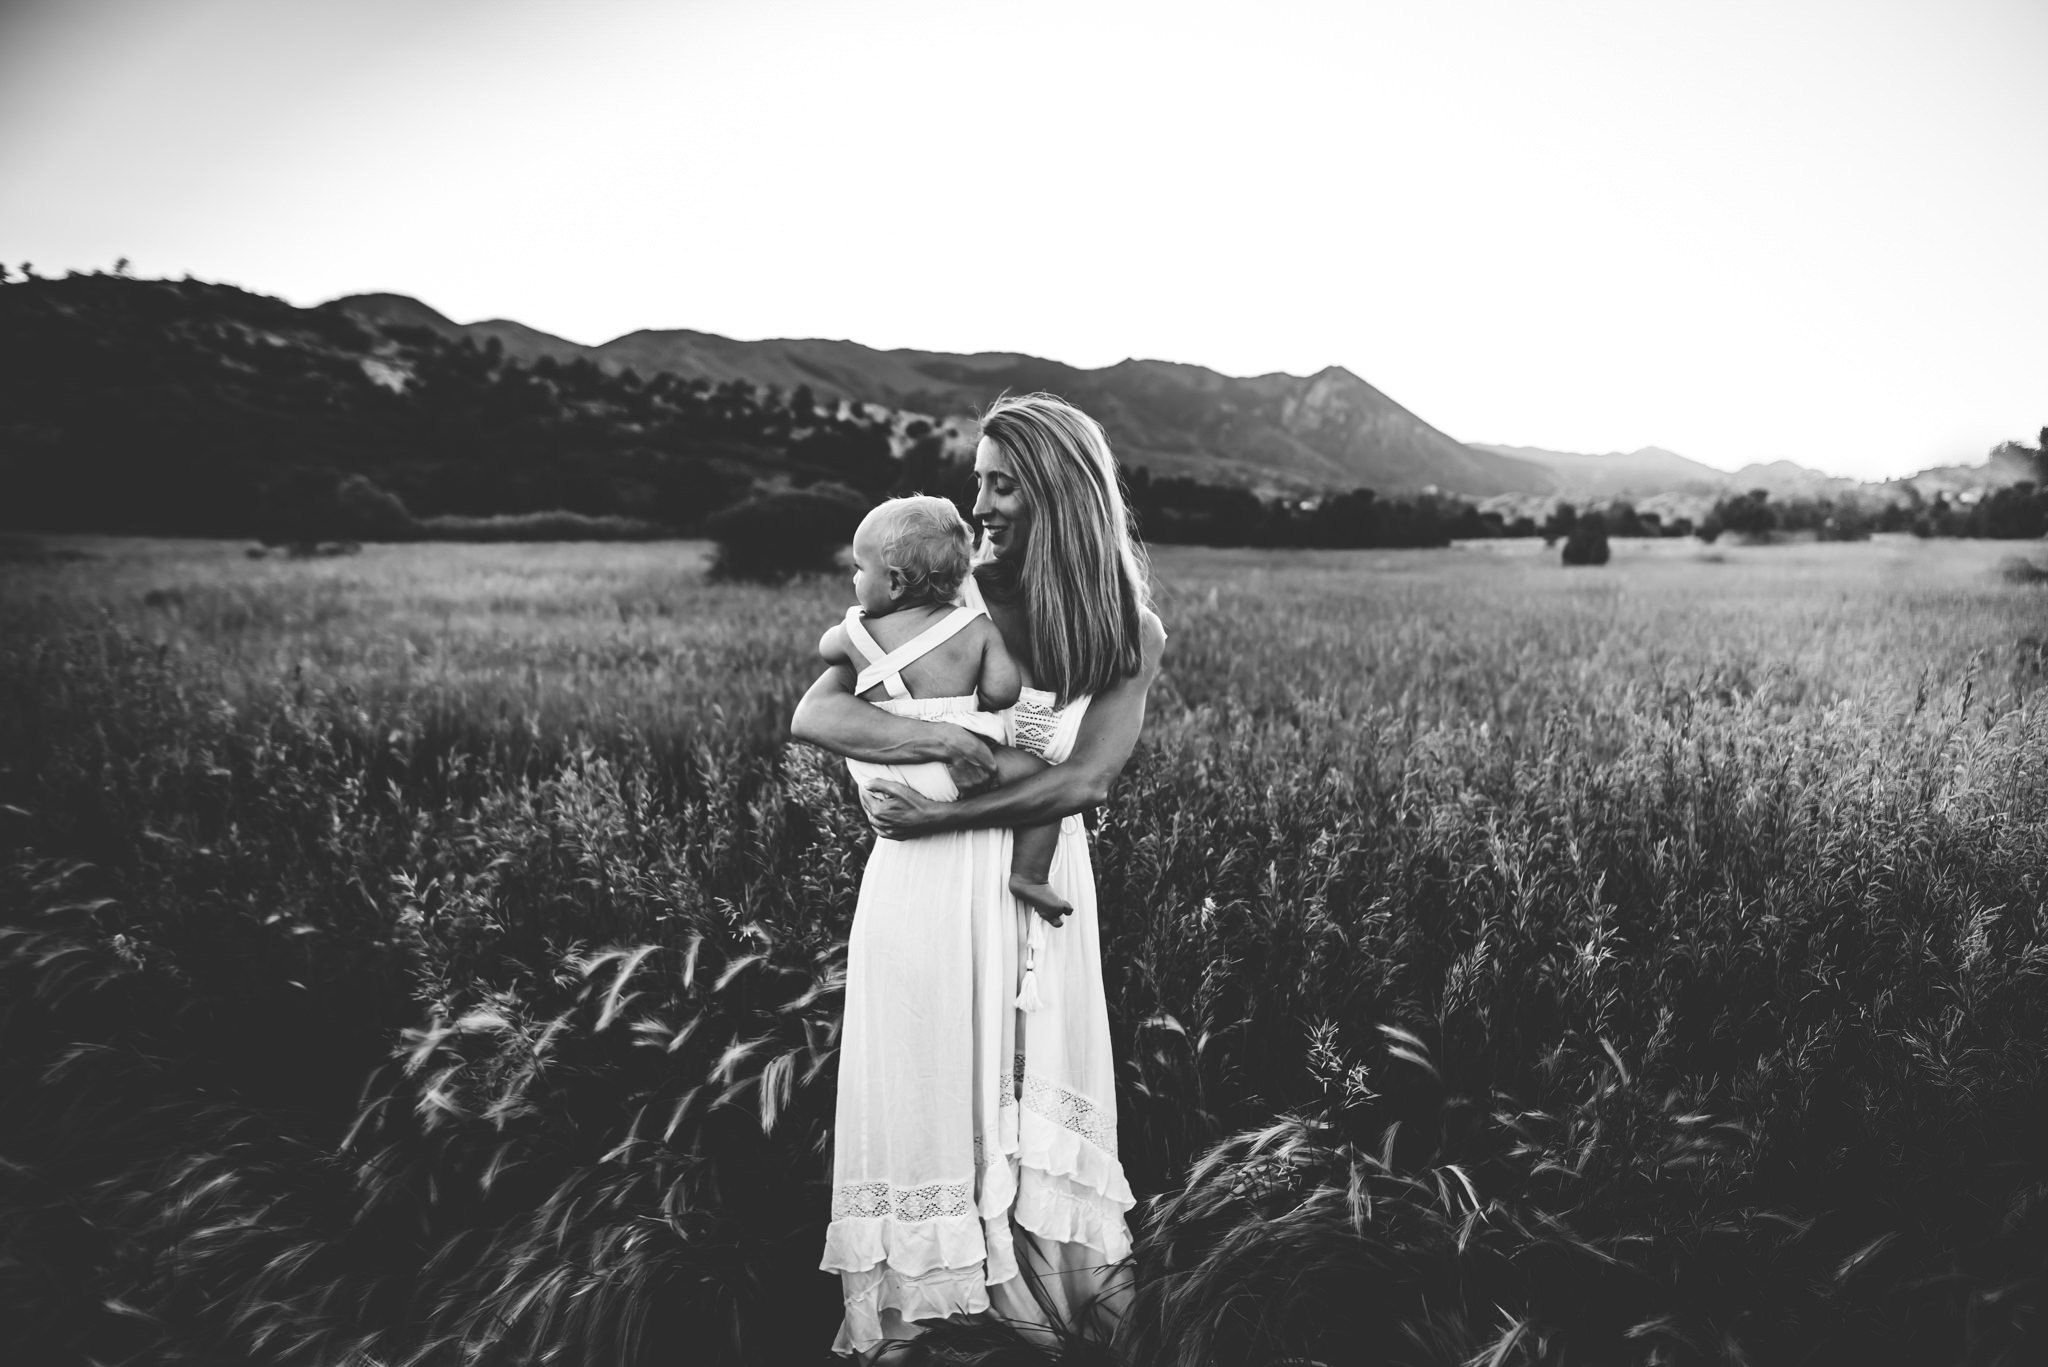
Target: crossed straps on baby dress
column 886, row 666
column 887, row 670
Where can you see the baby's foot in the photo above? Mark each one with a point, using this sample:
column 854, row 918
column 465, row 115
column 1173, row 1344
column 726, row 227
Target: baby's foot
column 1041, row 898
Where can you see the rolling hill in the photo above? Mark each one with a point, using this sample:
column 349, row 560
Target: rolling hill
column 1650, row 470
column 1330, row 430
column 190, row 408
column 2009, row 463
column 186, row 407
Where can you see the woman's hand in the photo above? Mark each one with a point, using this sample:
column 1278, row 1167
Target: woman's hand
column 899, row 813
column 831, row 717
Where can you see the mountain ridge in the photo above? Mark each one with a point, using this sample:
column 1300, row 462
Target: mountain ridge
column 1654, row 472
column 1646, row 470
column 1274, row 433
column 1277, row 432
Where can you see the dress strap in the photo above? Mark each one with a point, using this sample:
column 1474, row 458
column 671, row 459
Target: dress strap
column 887, row 670
column 866, row 644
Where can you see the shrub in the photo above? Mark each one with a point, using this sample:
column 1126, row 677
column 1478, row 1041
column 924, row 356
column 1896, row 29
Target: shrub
column 1749, row 514
column 2015, row 513
column 364, row 511
column 776, row 536
column 308, row 509
column 306, row 505
column 552, row 525
column 1587, row 544
column 1845, row 524
column 1623, row 520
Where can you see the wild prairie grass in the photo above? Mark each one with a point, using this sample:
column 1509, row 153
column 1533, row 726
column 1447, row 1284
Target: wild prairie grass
column 433, row 956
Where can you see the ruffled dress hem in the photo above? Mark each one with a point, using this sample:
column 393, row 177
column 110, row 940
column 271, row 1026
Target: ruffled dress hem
column 1070, row 1192
column 935, row 1295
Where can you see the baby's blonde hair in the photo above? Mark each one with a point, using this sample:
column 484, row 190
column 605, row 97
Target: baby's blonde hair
column 925, row 540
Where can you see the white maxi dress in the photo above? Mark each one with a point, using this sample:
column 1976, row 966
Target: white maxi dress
column 963, row 1124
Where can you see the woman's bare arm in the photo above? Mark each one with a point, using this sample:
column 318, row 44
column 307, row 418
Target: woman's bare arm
column 1109, row 731
column 831, row 717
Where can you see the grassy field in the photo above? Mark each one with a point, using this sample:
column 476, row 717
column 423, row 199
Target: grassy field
column 432, row 956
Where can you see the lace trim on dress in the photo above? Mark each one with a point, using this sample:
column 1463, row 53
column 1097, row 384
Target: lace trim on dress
column 1069, row 1111
column 1035, row 726
column 875, row 1200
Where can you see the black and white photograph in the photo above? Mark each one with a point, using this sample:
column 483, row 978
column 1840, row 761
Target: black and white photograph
column 932, row 683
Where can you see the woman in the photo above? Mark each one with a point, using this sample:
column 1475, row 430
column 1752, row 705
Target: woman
column 975, row 1164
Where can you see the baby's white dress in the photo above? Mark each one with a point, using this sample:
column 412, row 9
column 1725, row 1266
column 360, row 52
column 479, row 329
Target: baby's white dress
column 960, row 1119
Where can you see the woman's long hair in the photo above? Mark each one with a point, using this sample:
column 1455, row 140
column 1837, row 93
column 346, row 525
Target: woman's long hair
column 1083, row 580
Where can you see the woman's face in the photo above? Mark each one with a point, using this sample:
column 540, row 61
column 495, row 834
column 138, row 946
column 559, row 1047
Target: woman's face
column 999, row 504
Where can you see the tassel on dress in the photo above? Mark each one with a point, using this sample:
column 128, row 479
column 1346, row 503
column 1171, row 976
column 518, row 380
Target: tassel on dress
column 1027, row 993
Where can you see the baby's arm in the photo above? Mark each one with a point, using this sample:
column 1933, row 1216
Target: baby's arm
column 835, row 649
column 1013, row 764
column 1001, row 681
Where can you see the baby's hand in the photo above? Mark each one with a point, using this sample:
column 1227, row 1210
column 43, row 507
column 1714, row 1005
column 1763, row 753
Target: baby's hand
column 972, row 766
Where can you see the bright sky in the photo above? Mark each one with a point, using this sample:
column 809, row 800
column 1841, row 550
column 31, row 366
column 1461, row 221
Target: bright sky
column 1739, row 229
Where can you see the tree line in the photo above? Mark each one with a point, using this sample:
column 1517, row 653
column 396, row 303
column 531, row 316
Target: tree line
column 191, row 408
column 184, row 407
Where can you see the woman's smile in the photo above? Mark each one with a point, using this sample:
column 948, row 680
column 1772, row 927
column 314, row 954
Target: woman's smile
column 999, row 503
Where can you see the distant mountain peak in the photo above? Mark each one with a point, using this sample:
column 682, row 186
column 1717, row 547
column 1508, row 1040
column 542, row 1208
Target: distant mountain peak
column 401, row 309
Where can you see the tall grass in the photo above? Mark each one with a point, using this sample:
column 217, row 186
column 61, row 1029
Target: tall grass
column 434, row 956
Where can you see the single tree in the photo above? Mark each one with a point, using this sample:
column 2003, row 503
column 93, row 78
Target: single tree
column 1623, row 520
column 1587, row 544
column 775, row 536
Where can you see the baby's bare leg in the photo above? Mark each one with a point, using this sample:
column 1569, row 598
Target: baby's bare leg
column 1031, row 866
column 1031, row 854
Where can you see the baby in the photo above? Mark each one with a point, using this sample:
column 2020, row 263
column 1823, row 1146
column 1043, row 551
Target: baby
column 907, row 640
